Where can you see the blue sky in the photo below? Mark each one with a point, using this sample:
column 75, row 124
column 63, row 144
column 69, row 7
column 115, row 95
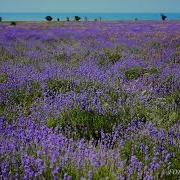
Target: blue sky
column 90, row 6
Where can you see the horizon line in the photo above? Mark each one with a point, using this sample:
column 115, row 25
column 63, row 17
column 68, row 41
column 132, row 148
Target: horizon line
column 93, row 12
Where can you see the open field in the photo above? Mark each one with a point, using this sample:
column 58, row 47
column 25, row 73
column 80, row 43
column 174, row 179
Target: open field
column 90, row 100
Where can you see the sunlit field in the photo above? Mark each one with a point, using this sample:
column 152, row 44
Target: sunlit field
column 90, row 100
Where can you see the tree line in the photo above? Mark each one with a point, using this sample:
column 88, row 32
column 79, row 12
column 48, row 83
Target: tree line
column 77, row 18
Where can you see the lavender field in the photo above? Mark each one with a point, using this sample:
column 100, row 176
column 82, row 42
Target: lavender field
column 90, row 100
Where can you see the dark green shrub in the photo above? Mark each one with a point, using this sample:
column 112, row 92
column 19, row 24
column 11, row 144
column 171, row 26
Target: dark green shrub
column 88, row 124
column 85, row 124
column 86, row 19
column 77, row 18
column 13, row 23
column 163, row 17
column 136, row 19
column 48, row 18
column 67, row 19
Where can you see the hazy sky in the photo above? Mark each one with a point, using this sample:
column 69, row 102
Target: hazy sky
column 90, row 6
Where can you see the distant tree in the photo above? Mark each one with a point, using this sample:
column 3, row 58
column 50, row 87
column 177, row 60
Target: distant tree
column 136, row 19
column 95, row 20
column 100, row 19
column 163, row 17
column 13, row 23
column 0, row 19
column 48, row 18
column 67, row 19
column 58, row 19
column 86, row 19
column 77, row 18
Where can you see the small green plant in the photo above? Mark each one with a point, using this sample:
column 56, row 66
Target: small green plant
column 52, row 122
column 173, row 118
column 134, row 73
column 136, row 147
column 3, row 78
column 24, row 98
column 60, row 57
column 174, row 98
column 163, row 112
column 60, row 86
column 135, row 51
column 114, row 96
column 126, row 152
column 103, row 172
column 174, row 163
column 2, row 109
column 141, row 113
column 153, row 71
column 110, row 56
column 156, row 45
column 113, row 55
column 5, row 55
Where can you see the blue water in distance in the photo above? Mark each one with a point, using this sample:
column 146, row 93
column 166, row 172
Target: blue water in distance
column 90, row 16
